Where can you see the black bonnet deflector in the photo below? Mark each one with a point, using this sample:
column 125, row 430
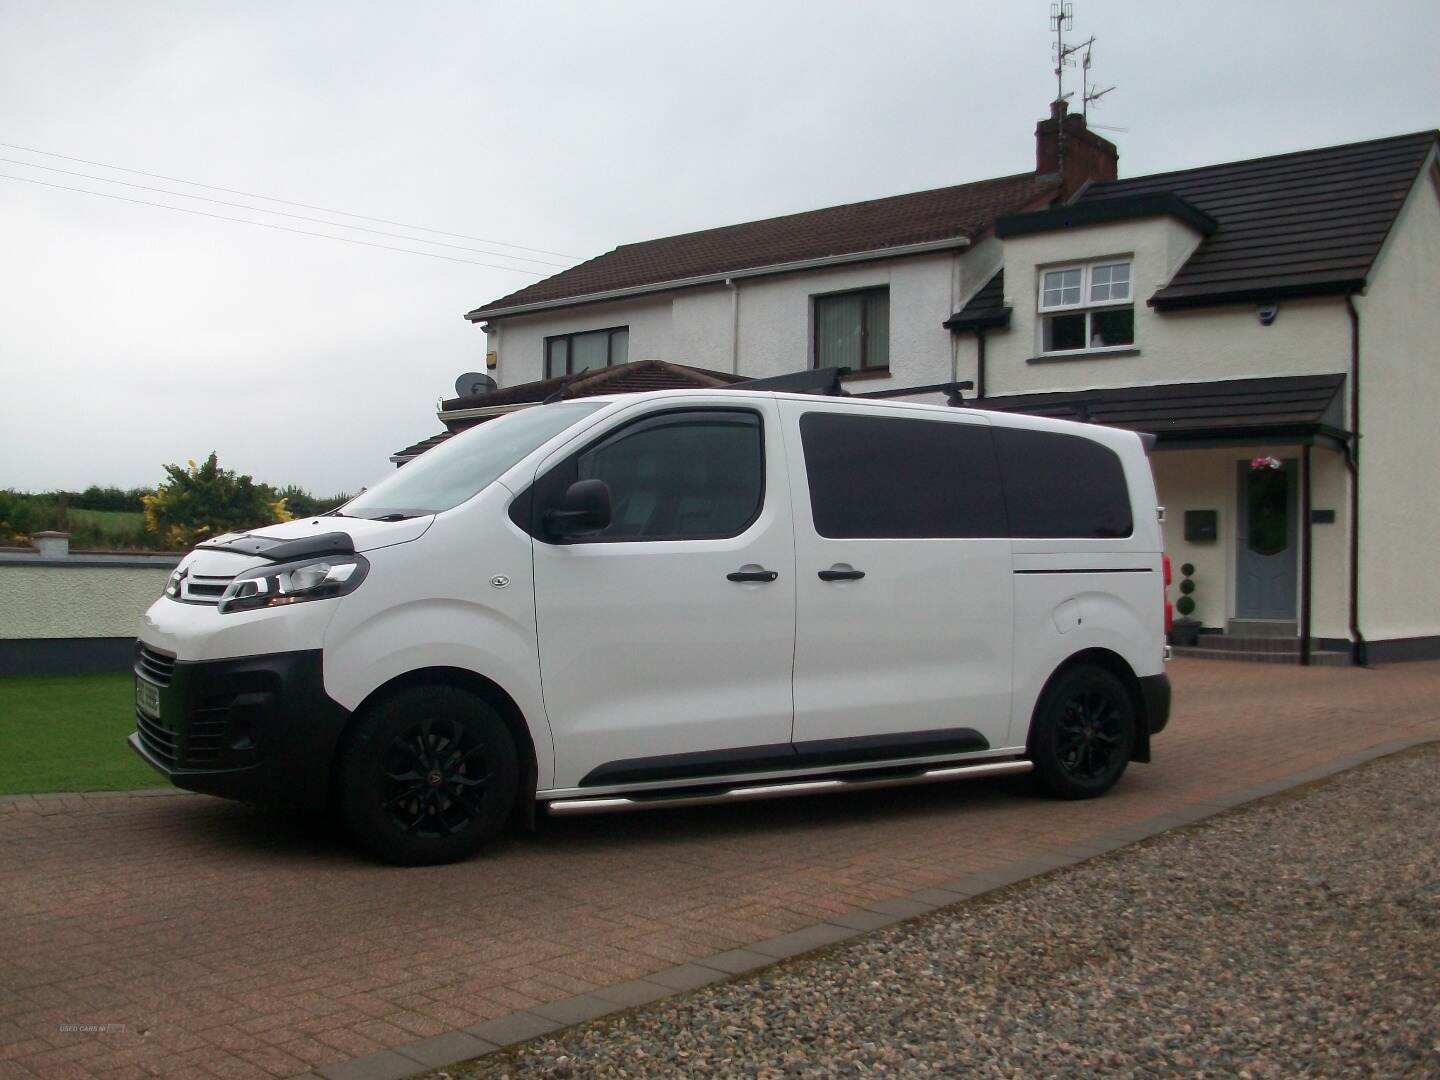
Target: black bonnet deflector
column 307, row 547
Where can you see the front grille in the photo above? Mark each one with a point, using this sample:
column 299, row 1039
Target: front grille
column 203, row 590
column 155, row 666
column 161, row 744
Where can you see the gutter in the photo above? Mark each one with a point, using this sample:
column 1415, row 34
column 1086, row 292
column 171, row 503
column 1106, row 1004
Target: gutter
column 1352, row 463
column 481, row 314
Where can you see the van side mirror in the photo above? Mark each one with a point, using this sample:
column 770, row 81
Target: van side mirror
column 584, row 509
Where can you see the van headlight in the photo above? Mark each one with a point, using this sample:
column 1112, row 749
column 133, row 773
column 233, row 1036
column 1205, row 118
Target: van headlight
column 294, row 583
column 174, row 581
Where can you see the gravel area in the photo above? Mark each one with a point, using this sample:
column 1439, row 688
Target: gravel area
column 1296, row 937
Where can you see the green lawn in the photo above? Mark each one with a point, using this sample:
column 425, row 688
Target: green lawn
column 67, row 733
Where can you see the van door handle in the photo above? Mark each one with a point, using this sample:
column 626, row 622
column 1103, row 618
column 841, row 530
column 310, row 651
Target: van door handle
column 752, row 574
column 841, row 572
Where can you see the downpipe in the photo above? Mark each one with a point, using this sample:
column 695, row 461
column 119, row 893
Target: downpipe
column 1352, row 465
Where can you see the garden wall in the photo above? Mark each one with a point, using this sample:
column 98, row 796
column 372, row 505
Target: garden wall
column 65, row 612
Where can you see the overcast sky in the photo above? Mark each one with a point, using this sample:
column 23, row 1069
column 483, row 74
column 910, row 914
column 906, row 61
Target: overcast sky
column 132, row 336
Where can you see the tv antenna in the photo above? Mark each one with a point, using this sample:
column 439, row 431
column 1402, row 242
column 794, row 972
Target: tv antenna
column 1092, row 92
column 1062, row 18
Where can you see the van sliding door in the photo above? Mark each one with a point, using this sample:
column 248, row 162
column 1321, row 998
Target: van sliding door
column 905, row 601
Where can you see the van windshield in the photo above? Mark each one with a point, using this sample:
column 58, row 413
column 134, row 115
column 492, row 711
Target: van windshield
column 452, row 472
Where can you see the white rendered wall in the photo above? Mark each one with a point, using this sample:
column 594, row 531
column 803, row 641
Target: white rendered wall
column 696, row 326
column 76, row 601
column 1308, row 337
column 521, row 338
column 1399, row 452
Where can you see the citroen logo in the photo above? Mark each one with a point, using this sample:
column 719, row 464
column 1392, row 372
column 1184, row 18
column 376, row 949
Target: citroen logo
column 499, row 581
column 434, row 779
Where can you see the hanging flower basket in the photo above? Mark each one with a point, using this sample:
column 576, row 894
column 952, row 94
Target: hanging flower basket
column 1266, row 463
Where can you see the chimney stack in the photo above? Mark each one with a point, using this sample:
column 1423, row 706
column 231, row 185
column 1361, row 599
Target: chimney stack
column 1066, row 148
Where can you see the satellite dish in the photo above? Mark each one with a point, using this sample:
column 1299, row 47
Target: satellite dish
column 472, row 383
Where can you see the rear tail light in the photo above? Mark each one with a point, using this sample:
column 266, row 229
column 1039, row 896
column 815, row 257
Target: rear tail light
column 1169, row 611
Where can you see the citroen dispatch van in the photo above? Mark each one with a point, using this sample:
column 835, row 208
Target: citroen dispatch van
column 668, row 598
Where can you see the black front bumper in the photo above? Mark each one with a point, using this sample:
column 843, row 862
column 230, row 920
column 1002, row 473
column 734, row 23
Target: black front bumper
column 259, row 728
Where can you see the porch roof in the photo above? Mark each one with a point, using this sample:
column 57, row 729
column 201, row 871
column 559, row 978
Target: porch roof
column 1290, row 406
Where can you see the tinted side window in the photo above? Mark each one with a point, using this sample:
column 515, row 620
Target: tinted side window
column 889, row 477
column 691, row 475
column 1062, row 485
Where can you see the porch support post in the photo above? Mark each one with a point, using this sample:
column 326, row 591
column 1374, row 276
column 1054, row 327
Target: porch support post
column 1306, row 559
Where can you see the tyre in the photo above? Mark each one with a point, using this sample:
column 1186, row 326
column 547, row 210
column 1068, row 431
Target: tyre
column 1083, row 734
column 428, row 776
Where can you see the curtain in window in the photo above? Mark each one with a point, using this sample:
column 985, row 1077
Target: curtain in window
column 620, row 347
column 590, row 350
column 837, row 331
column 555, row 360
column 877, row 329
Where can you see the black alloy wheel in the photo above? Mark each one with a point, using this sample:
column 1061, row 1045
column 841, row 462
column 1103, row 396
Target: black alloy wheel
column 435, row 778
column 1083, row 733
column 429, row 775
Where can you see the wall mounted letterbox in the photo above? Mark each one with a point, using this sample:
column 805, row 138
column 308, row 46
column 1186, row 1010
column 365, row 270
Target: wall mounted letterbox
column 1201, row 525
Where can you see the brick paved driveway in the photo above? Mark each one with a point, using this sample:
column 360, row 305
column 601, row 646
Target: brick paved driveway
column 222, row 941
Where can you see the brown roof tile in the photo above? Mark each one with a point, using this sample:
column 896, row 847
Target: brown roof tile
column 1286, row 404
column 1300, row 223
column 964, row 210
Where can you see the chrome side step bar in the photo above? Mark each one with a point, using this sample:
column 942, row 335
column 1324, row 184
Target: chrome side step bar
column 609, row 804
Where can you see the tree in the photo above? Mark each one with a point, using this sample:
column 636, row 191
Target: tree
column 206, row 500
column 302, row 504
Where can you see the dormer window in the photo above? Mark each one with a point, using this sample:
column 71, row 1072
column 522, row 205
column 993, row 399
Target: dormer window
column 1085, row 308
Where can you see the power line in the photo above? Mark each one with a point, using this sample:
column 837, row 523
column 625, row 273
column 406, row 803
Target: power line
column 287, row 202
column 267, row 225
column 278, row 213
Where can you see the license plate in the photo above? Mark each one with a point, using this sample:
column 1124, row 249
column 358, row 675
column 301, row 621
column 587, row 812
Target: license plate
column 147, row 698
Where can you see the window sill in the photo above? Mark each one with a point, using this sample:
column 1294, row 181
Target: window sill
column 1083, row 354
column 866, row 373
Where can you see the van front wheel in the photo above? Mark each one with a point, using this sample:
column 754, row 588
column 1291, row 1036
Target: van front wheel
column 428, row 776
column 1083, row 734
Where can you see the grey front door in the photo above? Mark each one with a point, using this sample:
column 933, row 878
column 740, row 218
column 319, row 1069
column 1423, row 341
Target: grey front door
column 1265, row 537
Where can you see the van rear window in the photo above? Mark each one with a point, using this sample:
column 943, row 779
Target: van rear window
column 1060, row 485
column 874, row 477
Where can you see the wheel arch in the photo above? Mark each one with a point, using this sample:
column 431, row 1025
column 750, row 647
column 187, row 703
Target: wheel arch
column 489, row 691
column 1116, row 664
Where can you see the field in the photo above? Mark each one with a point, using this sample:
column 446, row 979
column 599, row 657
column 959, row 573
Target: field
column 67, row 733
column 109, row 521
column 105, row 529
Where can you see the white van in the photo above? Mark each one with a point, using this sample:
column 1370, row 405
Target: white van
column 668, row 598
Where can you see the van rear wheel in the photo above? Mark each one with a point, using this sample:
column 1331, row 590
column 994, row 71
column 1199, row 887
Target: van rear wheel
column 429, row 775
column 1083, row 734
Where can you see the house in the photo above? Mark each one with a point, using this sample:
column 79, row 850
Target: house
column 1271, row 321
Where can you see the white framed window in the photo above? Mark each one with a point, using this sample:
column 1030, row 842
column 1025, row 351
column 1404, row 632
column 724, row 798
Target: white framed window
column 1088, row 307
